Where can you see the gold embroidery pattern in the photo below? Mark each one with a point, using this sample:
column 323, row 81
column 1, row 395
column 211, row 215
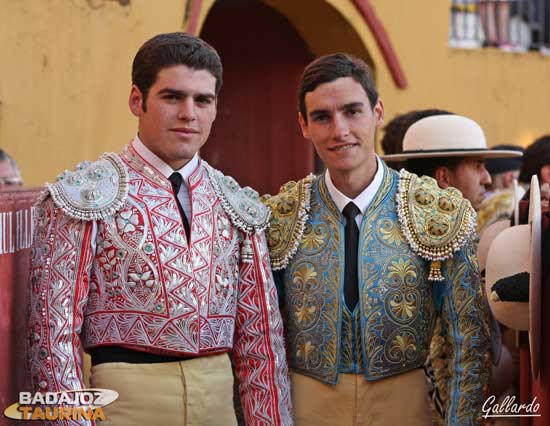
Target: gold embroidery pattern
column 390, row 233
column 351, row 331
column 402, row 346
column 436, row 222
column 306, row 306
column 497, row 207
column 314, row 238
column 289, row 214
column 312, row 292
column 396, row 311
column 469, row 384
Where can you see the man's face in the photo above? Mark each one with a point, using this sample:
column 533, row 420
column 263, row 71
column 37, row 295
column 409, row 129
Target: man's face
column 341, row 124
column 181, row 107
column 470, row 177
column 9, row 177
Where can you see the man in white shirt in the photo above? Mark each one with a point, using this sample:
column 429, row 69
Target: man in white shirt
column 366, row 259
column 157, row 264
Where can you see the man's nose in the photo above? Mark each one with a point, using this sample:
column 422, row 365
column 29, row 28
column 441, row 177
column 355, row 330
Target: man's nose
column 340, row 127
column 486, row 177
column 187, row 110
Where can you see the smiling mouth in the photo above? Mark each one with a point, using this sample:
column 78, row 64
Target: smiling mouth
column 185, row 131
column 343, row 147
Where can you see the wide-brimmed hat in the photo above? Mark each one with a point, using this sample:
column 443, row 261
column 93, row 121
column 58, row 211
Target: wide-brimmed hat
column 486, row 238
column 447, row 136
column 515, row 256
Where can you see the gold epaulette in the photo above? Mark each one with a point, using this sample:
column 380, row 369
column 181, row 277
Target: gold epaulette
column 435, row 222
column 498, row 206
column 289, row 214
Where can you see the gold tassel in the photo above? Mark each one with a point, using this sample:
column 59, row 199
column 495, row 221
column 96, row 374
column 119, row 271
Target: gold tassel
column 435, row 271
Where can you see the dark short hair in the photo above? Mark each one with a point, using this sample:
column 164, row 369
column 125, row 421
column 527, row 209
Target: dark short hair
column 166, row 50
column 332, row 67
column 428, row 166
column 535, row 157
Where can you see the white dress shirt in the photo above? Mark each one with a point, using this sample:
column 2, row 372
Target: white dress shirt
column 166, row 171
column 363, row 200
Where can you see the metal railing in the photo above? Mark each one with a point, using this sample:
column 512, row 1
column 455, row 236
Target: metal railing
column 510, row 25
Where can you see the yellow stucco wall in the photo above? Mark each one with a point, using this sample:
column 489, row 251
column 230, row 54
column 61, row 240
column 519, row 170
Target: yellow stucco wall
column 508, row 94
column 65, row 77
column 65, row 72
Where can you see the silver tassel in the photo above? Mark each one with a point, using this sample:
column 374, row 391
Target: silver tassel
column 247, row 254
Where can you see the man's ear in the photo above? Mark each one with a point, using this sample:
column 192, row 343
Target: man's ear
column 443, row 177
column 303, row 126
column 378, row 111
column 545, row 174
column 135, row 101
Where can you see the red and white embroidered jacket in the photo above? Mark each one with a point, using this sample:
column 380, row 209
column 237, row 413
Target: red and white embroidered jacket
column 111, row 266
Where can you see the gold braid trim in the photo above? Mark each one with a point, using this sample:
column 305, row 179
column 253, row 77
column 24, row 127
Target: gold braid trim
column 290, row 208
column 435, row 222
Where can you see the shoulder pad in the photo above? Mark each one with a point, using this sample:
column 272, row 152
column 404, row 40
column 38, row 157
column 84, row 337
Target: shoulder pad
column 241, row 204
column 289, row 214
column 94, row 190
column 435, row 222
column 498, row 206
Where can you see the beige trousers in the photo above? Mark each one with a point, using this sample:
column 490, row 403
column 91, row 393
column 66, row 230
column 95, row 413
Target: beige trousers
column 397, row 400
column 196, row 392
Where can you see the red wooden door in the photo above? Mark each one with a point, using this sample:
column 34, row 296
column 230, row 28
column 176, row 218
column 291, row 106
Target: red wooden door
column 256, row 137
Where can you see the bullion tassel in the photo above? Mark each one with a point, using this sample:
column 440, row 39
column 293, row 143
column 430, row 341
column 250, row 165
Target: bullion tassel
column 435, row 271
column 247, row 254
column 16, row 230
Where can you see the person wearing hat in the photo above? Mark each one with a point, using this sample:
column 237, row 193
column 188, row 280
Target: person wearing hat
column 503, row 192
column 451, row 149
column 394, row 131
column 366, row 258
column 536, row 161
column 504, row 171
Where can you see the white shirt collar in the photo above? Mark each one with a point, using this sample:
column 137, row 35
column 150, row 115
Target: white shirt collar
column 364, row 198
column 160, row 165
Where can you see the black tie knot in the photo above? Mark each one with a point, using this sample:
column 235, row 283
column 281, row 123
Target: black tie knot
column 351, row 210
column 176, row 180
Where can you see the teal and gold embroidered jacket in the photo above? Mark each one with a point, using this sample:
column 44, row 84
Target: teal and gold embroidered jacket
column 415, row 262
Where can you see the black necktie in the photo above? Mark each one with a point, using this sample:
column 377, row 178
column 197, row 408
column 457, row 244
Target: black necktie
column 351, row 284
column 176, row 180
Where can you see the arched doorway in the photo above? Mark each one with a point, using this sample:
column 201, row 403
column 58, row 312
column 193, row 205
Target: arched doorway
column 256, row 137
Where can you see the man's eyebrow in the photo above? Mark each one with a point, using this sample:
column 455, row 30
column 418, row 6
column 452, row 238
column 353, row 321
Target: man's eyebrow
column 351, row 105
column 170, row 91
column 318, row 112
column 181, row 93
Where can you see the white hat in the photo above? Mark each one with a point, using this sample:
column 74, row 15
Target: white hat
column 516, row 250
column 486, row 238
column 447, row 136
